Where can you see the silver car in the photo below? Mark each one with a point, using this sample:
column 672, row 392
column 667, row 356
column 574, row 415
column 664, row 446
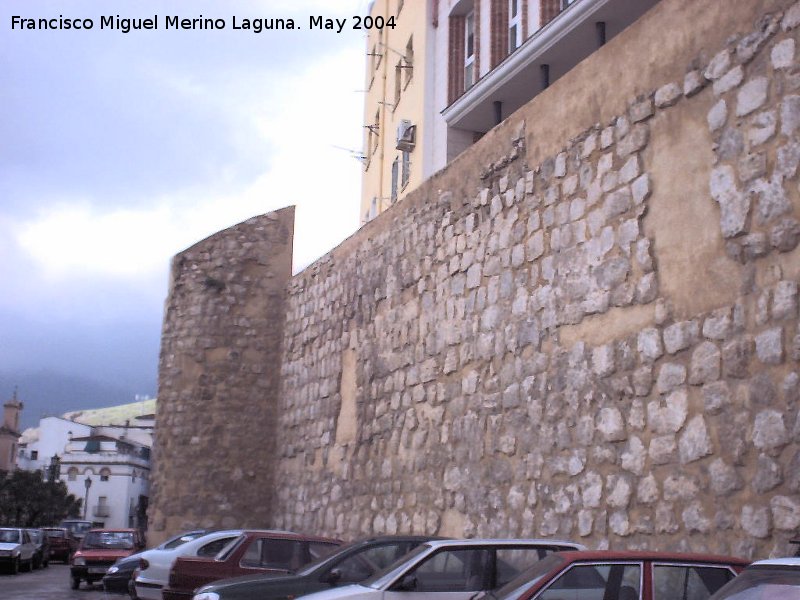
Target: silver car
column 449, row 570
column 16, row 549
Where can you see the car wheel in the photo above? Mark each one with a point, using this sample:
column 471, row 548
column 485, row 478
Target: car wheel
column 45, row 563
column 76, row 583
column 36, row 562
column 15, row 567
column 28, row 565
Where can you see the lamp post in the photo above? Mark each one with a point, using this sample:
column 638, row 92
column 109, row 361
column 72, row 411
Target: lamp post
column 87, row 484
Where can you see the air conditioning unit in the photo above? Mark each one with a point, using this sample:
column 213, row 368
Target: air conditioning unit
column 406, row 135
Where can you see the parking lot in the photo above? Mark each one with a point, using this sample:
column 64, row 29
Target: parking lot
column 51, row 583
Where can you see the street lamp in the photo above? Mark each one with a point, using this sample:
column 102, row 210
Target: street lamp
column 87, row 484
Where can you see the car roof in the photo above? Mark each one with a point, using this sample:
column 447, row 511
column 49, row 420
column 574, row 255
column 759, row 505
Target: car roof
column 502, row 542
column 604, row 555
column 291, row 535
column 115, row 530
column 789, row 561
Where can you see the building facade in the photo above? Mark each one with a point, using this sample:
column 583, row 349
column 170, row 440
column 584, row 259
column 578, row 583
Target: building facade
column 475, row 62
column 9, row 433
column 108, row 467
column 398, row 68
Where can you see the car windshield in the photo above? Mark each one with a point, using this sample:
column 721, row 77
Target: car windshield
column 9, row 536
column 106, row 540
column 527, row 578
column 36, row 535
column 375, row 580
column 764, row 582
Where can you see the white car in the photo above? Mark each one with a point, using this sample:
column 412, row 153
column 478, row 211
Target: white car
column 449, row 570
column 773, row 579
column 154, row 565
column 16, row 549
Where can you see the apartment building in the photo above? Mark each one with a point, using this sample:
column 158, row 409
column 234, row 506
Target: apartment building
column 399, row 46
column 106, row 466
column 474, row 63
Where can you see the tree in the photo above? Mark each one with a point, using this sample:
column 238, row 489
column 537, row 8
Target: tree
column 26, row 500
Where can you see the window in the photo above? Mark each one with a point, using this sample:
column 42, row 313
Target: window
column 406, row 169
column 688, row 582
column 409, row 61
column 457, row 569
column 269, row 553
column 395, row 166
column 104, row 474
column 34, row 455
column 72, row 474
column 596, row 581
column 214, row 548
column 469, row 51
column 514, row 25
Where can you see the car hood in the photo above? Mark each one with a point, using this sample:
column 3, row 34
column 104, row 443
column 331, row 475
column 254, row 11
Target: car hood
column 8, row 546
column 262, row 581
column 104, row 554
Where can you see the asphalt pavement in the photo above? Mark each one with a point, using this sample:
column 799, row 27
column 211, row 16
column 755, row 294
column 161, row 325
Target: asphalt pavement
column 52, row 583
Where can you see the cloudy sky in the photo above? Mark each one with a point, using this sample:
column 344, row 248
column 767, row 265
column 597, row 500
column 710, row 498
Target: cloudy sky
column 119, row 150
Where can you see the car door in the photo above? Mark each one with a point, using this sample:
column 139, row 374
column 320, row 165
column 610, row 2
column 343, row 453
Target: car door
column 28, row 547
column 596, row 581
column 447, row 574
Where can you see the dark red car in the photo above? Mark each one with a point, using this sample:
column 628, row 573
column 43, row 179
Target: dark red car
column 636, row 575
column 62, row 543
column 99, row 549
column 253, row 552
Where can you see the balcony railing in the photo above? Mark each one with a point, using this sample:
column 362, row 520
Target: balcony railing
column 101, row 510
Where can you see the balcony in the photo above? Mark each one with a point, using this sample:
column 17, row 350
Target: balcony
column 557, row 47
column 101, row 510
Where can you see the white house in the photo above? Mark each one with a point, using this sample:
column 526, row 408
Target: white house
column 107, row 466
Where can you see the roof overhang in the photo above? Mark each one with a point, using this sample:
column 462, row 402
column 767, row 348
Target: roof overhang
column 561, row 44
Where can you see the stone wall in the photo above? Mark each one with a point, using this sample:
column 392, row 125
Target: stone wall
column 590, row 333
column 585, row 327
column 219, row 378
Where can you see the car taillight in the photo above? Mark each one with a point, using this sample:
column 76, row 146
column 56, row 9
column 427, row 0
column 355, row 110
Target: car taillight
column 143, row 564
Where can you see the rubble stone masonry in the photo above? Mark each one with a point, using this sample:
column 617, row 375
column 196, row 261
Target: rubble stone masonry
column 585, row 327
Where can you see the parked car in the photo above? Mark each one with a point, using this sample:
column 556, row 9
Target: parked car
column 450, row 569
column 99, row 549
column 264, row 551
column 41, row 557
column 774, row 579
column 350, row 564
column 16, row 549
column 77, row 527
column 61, row 541
column 154, row 564
column 119, row 577
column 635, row 575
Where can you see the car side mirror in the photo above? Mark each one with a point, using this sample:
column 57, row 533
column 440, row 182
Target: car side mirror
column 333, row 577
column 407, row 584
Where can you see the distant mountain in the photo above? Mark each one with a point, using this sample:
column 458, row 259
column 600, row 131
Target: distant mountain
column 48, row 393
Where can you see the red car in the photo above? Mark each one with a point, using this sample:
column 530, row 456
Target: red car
column 62, row 543
column 251, row 553
column 99, row 549
column 637, row 575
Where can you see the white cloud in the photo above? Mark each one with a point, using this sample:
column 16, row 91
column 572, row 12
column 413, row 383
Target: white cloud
column 299, row 119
